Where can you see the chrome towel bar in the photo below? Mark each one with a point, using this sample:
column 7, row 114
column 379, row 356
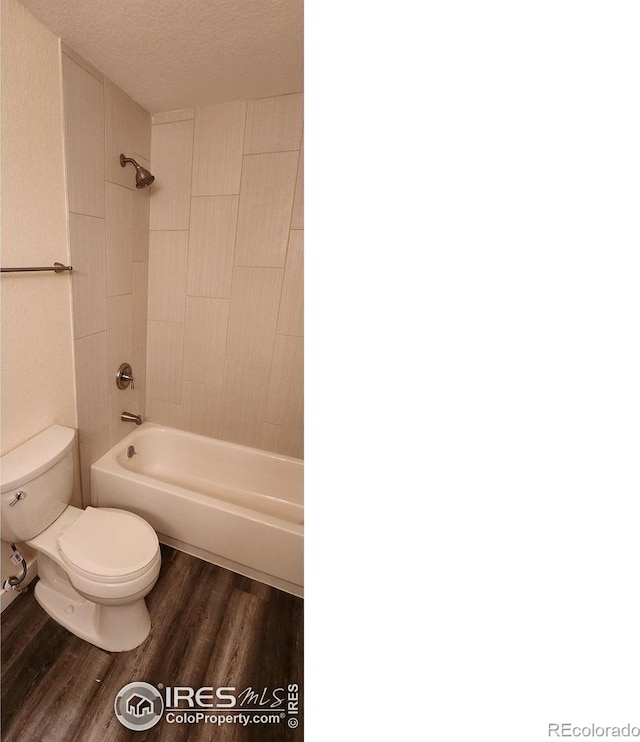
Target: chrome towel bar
column 56, row 268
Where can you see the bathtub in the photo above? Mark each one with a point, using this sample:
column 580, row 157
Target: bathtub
column 228, row 504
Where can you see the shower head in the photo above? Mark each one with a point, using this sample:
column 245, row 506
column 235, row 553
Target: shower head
column 143, row 176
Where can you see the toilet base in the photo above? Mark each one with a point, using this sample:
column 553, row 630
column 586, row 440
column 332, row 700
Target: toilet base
column 112, row 628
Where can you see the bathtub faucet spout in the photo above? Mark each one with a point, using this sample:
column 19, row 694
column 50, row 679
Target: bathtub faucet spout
column 129, row 417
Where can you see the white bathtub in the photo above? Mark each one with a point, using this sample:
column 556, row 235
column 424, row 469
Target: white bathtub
column 231, row 505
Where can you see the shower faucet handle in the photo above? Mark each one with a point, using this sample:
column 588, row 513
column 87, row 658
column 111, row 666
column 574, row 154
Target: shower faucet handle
column 124, row 376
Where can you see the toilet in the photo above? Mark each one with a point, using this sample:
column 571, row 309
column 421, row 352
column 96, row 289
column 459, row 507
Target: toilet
column 96, row 565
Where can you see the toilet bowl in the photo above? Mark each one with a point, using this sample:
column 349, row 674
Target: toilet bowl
column 94, row 560
column 95, row 566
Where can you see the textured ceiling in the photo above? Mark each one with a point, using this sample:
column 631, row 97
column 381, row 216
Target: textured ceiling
column 172, row 54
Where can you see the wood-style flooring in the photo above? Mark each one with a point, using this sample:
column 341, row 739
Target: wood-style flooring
column 209, row 627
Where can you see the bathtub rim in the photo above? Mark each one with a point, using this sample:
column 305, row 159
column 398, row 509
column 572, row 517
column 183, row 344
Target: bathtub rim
column 148, row 425
column 109, row 463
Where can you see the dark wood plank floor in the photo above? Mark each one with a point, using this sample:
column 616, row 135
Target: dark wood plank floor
column 210, row 627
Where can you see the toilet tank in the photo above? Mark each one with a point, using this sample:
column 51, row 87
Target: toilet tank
column 37, row 481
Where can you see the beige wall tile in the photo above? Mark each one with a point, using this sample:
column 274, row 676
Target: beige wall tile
column 165, row 345
column 84, row 139
column 141, row 203
column 167, row 275
column 274, row 124
column 88, row 280
column 91, row 449
column 210, row 364
column 253, row 314
column 140, row 298
column 217, row 149
column 244, row 399
column 171, row 150
column 282, row 439
column 119, row 401
column 297, row 214
column 102, row 121
column 212, row 238
column 119, row 336
column 139, row 392
column 201, row 408
column 205, row 340
column 168, row 117
column 91, row 371
column 119, row 240
column 82, row 62
column 142, row 133
column 164, row 413
column 285, row 399
column 264, row 214
column 291, row 316
column 125, row 131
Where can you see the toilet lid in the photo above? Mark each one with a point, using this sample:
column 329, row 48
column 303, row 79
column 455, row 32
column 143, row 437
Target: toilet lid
column 109, row 543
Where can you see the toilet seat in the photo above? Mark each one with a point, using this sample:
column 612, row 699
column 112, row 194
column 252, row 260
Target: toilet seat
column 109, row 545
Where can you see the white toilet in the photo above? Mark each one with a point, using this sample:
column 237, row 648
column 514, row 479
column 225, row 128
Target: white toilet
column 95, row 565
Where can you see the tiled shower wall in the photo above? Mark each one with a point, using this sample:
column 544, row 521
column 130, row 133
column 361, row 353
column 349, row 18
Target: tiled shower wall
column 109, row 245
column 225, row 302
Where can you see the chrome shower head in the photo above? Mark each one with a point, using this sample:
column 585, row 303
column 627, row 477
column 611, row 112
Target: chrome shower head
column 143, row 176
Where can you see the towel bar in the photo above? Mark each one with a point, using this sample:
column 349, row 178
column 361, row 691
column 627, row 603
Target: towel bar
column 56, row 268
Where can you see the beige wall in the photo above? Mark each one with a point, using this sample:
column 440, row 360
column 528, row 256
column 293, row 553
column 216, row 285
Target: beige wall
column 225, row 321
column 37, row 354
column 37, row 363
column 109, row 237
